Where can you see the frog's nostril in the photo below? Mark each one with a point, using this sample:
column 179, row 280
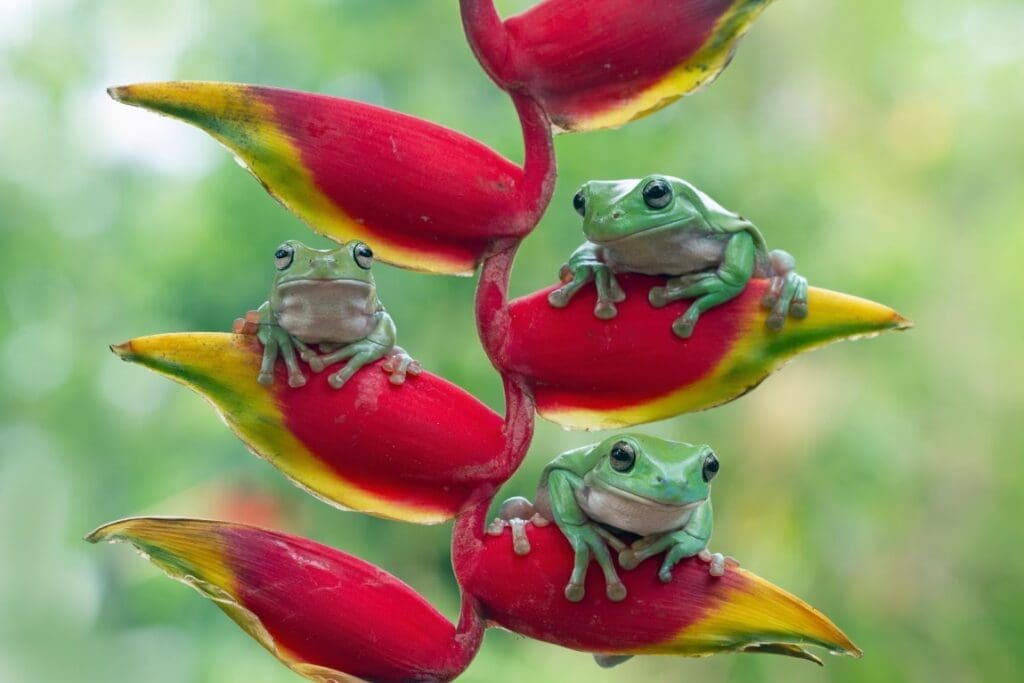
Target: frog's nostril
column 616, row 214
column 659, row 479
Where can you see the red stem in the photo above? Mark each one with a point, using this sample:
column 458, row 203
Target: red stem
column 486, row 35
column 488, row 39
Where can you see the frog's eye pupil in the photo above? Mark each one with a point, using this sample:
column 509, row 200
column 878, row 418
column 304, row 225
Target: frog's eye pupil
column 657, row 194
column 710, row 467
column 622, row 457
column 579, row 203
column 283, row 256
column 363, row 256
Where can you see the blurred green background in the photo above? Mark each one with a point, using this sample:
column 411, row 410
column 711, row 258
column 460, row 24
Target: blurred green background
column 880, row 141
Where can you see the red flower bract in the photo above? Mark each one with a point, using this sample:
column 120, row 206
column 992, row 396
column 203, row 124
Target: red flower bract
column 597, row 374
column 694, row 614
column 601, row 63
column 423, row 196
column 325, row 614
column 415, row 452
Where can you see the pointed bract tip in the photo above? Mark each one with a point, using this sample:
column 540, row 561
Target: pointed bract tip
column 900, row 323
column 108, row 532
column 122, row 350
column 118, row 93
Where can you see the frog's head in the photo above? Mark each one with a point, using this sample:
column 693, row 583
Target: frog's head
column 297, row 263
column 614, row 209
column 665, row 472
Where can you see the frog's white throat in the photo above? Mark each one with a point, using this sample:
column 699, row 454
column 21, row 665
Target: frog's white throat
column 629, row 511
column 337, row 310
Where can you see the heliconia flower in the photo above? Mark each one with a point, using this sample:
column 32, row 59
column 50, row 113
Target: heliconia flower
column 331, row 617
column 414, row 452
column 423, row 196
column 602, row 63
column 694, row 614
column 326, row 615
column 595, row 374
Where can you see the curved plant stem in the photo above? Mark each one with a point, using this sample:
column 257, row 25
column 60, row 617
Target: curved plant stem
column 487, row 37
column 485, row 33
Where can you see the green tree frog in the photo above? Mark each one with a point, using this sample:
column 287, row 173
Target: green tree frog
column 661, row 225
column 328, row 298
column 639, row 494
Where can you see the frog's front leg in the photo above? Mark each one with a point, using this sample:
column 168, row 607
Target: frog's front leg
column 276, row 341
column 584, row 265
column 583, row 536
column 709, row 289
column 787, row 293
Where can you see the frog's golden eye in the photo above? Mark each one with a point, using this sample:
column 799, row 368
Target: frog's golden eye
column 710, row 467
column 579, row 202
column 657, row 194
column 622, row 457
column 363, row 256
column 283, row 256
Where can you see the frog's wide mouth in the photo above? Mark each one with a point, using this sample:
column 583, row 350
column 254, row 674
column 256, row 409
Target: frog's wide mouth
column 596, row 483
column 660, row 227
column 314, row 281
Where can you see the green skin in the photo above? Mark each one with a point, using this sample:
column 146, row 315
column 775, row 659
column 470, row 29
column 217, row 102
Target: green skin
column 662, row 496
column 327, row 297
column 708, row 253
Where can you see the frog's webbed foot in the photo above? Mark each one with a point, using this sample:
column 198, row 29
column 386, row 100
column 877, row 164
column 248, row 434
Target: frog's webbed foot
column 575, row 276
column 684, row 545
column 358, row 354
column 248, row 324
column 398, row 364
column 305, row 353
column 787, row 291
column 707, row 286
column 639, row 550
column 717, row 562
column 586, row 542
column 515, row 513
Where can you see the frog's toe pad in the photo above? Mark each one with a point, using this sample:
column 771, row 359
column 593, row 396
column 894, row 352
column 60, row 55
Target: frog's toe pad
column 683, row 327
column 558, row 299
column 297, row 380
column 628, row 559
column 265, row 378
column 574, row 592
column 775, row 322
column 316, row 364
column 716, row 566
column 605, row 310
column 658, row 297
column 665, row 575
column 798, row 310
column 337, row 381
column 616, row 592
